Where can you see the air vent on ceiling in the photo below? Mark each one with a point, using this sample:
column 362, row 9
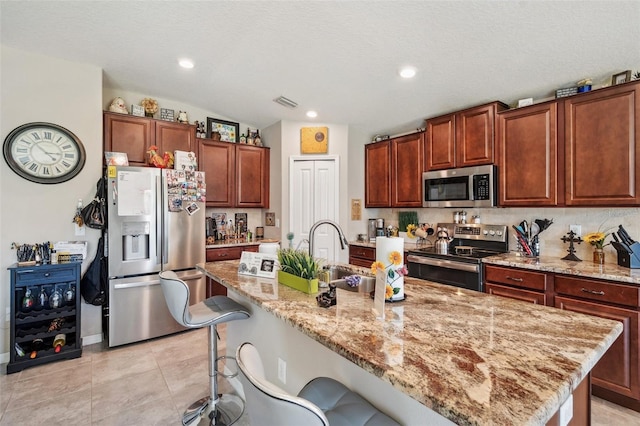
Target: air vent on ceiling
column 285, row 102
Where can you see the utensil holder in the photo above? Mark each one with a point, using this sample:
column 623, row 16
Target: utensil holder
column 629, row 259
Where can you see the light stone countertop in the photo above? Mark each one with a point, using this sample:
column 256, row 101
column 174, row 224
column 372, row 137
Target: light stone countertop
column 473, row 358
column 586, row 268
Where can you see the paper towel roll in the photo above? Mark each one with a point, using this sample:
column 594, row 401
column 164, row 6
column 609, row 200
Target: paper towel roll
column 384, row 247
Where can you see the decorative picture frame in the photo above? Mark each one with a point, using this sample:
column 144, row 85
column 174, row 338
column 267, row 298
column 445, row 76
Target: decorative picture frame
column 621, row 77
column 166, row 114
column 228, row 129
column 314, row 140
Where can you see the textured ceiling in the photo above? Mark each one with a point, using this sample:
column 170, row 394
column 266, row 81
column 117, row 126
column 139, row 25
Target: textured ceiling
column 337, row 57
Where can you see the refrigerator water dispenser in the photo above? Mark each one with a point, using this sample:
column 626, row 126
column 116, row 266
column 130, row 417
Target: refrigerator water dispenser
column 135, row 240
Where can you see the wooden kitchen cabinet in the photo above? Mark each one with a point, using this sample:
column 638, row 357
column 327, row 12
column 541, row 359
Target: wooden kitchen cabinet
column 217, row 254
column 252, row 176
column 602, row 146
column 519, row 284
column 129, row 134
column 237, row 175
column 393, row 172
column 377, row 174
column 616, row 377
column 527, row 151
column 361, row 256
column 461, row 139
column 134, row 135
column 218, row 161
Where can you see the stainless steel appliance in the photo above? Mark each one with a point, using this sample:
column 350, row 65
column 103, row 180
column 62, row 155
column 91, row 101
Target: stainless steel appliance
column 464, row 187
column 461, row 264
column 372, row 230
column 155, row 223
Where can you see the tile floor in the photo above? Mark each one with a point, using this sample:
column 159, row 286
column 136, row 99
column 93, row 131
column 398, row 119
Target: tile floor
column 148, row 383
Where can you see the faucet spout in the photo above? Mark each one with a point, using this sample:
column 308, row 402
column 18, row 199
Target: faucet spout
column 343, row 240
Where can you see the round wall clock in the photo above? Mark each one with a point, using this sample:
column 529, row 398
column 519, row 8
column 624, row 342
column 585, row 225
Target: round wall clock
column 44, row 153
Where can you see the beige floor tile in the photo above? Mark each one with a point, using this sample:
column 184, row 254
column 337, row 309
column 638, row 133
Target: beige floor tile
column 605, row 413
column 67, row 409
column 129, row 392
column 120, row 362
column 56, row 367
column 161, row 412
column 7, row 383
column 49, row 387
column 180, row 347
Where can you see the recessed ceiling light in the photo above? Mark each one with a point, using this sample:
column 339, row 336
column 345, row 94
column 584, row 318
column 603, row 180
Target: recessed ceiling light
column 407, row 72
column 312, row 114
column 186, row 63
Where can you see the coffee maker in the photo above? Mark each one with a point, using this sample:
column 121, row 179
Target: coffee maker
column 371, row 230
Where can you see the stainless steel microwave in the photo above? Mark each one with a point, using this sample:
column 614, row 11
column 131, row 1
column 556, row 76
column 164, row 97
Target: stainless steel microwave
column 463, row 187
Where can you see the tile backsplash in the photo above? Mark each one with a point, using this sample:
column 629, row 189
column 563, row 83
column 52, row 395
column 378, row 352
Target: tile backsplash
column 590, row 220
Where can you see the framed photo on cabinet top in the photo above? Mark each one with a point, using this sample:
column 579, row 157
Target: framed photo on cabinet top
column 622, row 77
column 228, row 129
column 314, row 140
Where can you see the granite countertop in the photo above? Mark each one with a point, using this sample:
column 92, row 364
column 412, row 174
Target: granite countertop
column 586, row 268
column 408, row 245
column 236, row 243
column 471, row 357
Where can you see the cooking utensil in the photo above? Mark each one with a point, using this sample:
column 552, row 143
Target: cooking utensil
column 525, row 228
column 623, row 233
column 543, row 223
column 535, row 229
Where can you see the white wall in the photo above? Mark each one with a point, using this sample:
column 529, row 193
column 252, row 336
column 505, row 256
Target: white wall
column 338, row 143
column 41, row 88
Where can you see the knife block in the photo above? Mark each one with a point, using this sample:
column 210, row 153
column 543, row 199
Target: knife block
column 629, row 260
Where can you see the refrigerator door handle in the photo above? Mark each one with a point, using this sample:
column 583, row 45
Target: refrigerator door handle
column 160, row 219
column 136, row 284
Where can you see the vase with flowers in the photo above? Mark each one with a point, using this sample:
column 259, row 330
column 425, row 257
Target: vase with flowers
column 150, row 106
column 597, row 240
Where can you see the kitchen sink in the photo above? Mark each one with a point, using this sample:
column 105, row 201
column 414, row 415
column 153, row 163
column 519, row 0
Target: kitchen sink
column 337, row 276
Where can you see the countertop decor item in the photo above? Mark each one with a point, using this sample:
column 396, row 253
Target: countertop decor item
column 44, row 152
column 597, row 239
column 389, row 257
column 298, row 269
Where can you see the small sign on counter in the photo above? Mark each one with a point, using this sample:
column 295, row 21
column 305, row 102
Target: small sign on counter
column 258, row 264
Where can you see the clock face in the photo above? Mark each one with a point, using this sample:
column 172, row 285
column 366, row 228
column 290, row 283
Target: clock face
column 44, row 153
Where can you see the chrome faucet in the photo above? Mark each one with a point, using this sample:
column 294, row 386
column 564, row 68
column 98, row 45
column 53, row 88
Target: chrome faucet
column 343, row 240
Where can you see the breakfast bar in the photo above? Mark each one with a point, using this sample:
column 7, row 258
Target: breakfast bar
column 443, row 355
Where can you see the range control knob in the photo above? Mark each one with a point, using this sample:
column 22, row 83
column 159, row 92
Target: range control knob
column 499, row 233
column 485, row 232
column 492, row 232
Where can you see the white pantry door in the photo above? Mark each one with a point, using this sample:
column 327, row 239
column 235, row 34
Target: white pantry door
column 313, row 195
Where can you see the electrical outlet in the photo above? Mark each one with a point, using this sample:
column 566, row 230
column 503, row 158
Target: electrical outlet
column 8, row 315
column 79, row 230
column 282, row 370
column 577, row 229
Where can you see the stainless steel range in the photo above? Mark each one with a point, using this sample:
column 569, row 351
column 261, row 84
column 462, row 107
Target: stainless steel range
column 459, row 263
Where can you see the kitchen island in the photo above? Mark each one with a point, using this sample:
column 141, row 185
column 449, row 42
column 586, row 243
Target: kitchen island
column 443, row 355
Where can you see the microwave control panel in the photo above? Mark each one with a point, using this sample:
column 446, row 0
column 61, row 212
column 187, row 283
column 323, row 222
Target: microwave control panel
column 481, row 187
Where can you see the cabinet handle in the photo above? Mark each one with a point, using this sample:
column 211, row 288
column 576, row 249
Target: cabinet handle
column 515, row 279
column 47, row 274
column 599, row 293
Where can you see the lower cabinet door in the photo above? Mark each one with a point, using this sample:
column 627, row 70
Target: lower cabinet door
column 617, row 370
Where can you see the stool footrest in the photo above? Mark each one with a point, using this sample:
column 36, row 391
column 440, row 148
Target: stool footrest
column 227, row 375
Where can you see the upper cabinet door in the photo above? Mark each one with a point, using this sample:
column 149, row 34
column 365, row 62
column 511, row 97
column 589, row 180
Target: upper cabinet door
column 172, row 136
column 440, row 151
column 527, row 146
column 129, row 134
column 377, row 179
column 217, row 160
column 406, row 170
column 602, row 147
column 252, row 176
column 475, row 132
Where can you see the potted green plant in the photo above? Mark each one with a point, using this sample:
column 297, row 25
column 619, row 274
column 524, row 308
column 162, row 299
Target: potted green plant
column 298, row 269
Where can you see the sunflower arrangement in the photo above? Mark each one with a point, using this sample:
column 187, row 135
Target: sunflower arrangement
column 597, row 239
column 394, row 271
column 411, row 230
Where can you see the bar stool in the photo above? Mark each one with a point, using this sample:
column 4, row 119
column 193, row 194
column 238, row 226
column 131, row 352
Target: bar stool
column 321, row 402
column 215, row 409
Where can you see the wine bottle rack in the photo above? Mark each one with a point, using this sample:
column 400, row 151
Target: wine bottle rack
column 34, row 320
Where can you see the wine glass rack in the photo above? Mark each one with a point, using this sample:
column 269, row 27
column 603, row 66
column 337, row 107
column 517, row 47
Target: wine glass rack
column 45, row 302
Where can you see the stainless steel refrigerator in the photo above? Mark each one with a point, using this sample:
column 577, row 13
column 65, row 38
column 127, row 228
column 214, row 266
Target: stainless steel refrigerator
column 156, row 222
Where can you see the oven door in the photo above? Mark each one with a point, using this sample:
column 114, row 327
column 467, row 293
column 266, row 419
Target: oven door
column 445, row 271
